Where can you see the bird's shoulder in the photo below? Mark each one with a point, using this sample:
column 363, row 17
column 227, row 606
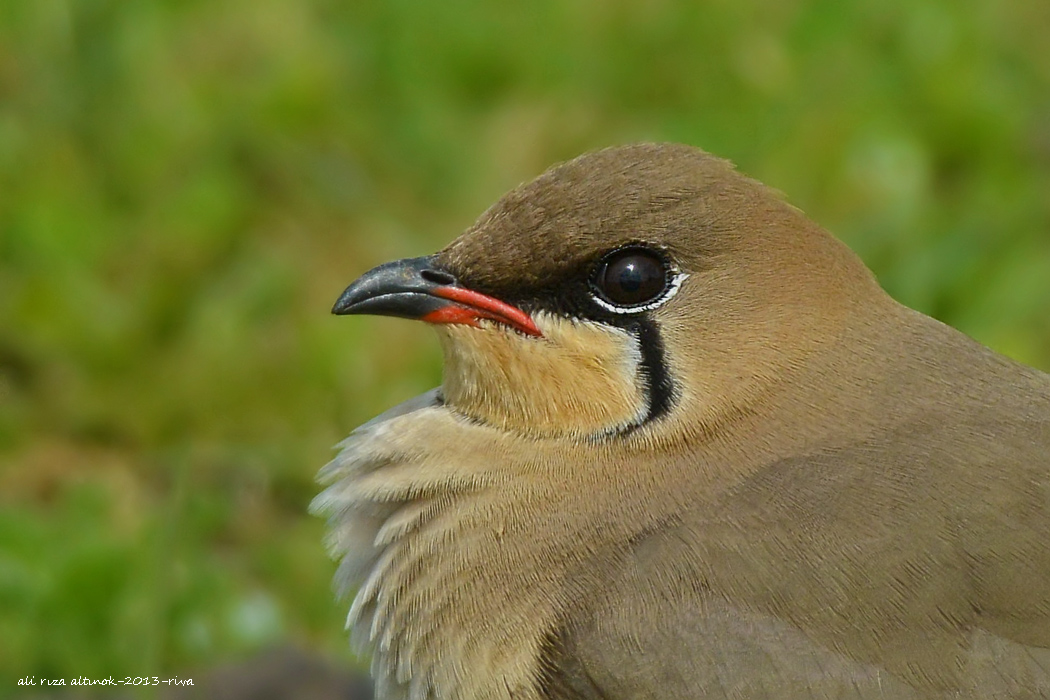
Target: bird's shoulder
column 931, row 534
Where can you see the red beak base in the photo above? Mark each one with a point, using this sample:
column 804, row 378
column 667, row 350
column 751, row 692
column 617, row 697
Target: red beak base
column 469, row 307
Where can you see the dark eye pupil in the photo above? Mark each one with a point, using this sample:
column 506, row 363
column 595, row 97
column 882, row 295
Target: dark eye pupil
column 631, row 278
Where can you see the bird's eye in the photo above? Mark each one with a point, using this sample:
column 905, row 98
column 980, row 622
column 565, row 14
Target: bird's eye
column 632, row 277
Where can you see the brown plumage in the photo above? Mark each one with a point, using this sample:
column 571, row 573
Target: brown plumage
column 686, row 447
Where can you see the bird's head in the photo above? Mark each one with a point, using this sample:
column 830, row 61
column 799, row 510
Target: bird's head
column 644, row 290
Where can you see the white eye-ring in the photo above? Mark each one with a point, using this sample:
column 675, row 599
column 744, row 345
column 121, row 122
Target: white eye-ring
column 635, row 279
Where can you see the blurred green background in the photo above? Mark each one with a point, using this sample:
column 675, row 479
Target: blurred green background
column 185, row 188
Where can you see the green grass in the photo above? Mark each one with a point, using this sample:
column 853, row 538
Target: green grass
column 185, row 187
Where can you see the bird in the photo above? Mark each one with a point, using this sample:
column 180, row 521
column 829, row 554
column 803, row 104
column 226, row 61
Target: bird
column 685, row 446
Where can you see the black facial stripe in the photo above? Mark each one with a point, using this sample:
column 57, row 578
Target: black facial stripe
column 662, row 392
column 659, row 384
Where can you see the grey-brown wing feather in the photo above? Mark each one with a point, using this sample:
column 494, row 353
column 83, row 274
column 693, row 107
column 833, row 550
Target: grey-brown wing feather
column 891, row 569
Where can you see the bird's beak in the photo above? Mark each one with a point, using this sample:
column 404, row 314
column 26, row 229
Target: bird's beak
column 418, row 288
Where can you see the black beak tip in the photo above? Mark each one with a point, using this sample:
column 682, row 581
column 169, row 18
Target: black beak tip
column 344, row 304
column 402, row 288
